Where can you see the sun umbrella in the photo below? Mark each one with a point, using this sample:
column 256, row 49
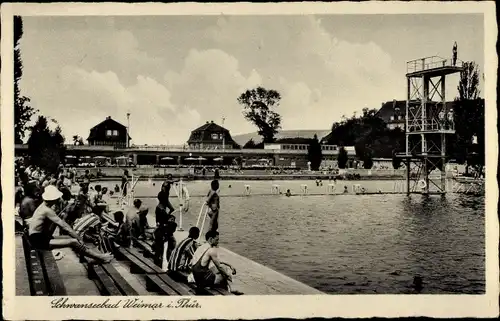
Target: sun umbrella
column 218, row 159
column 263, row 160
column 190, row 158
column 70, row 156
column 201, row 158
column 99, row 157
column 122, row 157
column 166, row 158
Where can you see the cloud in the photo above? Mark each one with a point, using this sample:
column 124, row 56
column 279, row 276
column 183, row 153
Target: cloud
column 320, row 76
column 210, row 82
column 85, row 72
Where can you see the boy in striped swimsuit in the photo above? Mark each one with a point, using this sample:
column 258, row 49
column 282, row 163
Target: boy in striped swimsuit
column 184, row 252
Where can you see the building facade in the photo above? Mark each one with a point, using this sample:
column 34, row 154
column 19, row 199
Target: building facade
column 393, row 113
column 211, row 136
column 109, row 133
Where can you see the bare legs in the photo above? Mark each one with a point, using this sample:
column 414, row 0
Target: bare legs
column 62, row 242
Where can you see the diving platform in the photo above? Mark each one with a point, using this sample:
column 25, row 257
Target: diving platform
column 432, row 66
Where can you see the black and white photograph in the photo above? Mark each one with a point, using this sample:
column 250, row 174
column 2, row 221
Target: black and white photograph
column 176, row 158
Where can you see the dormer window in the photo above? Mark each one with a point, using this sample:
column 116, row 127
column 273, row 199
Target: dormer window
column 215, row 136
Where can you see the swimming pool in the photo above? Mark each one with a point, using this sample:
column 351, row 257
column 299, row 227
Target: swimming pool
column 349, row 244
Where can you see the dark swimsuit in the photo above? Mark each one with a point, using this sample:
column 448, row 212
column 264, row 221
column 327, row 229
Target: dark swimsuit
column 202, row 274
column 40, row 241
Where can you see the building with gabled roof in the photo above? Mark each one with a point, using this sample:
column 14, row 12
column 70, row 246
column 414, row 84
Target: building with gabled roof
column 211, row 136
column 109, row 133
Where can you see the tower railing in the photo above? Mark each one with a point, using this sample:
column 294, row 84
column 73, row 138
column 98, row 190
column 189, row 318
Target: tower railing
column 431, row 62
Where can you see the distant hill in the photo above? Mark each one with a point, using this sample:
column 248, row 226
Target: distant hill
column 305, row 133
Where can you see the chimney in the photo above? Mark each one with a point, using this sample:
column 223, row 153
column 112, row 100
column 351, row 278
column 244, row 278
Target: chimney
column 207, row 121
column 212, row 121
column 109, row 117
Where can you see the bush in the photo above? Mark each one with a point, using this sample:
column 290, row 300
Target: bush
column 342, row 158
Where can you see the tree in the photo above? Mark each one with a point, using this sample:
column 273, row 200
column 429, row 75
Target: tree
column 250, row 144
column 342, row 158
column 45, row 146
column 314, row 153
column 469, row 119
column 368, row 160
column 396, row 161
column 257, row 108
column 22, row 108
column 78, row 140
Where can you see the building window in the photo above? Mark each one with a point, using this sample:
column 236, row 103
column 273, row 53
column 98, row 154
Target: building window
column 392, row 117
column 109, row 132
column 115, row 132
column 215, row 136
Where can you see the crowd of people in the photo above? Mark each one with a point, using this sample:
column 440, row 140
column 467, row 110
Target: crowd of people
column 45, row 203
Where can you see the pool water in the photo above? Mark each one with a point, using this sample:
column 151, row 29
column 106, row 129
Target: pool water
column 348, row 244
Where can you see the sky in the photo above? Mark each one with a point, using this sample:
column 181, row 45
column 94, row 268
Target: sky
column 174, row 73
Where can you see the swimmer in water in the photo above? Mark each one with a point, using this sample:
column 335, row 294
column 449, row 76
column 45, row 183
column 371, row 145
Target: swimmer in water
column 346, row 190
column 288, row 193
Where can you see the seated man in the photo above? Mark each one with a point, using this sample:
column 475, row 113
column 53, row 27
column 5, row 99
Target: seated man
column 119, row 234
column 184, row 252
column 206, row 268
column 40, row 234
column 87, row 227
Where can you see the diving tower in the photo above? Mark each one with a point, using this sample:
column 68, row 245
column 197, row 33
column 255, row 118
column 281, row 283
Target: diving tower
column 428, row 122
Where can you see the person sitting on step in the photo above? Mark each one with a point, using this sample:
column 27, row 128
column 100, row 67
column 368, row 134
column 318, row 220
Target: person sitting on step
column 117, row 234
column 40, row 223
column 207, row 269
column 184, row 252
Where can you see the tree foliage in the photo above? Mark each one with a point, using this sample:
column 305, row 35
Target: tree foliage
column 45, row 146
column 258, row 107
column 469, row 111
column 78, row 140
column 342, row 158
column 396, row 161
column 314, row 153
column 252, row 145
column 368, row 133
column 367, row 159
column 23, row 111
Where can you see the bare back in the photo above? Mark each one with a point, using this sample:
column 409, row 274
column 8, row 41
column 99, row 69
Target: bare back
column 40, row 221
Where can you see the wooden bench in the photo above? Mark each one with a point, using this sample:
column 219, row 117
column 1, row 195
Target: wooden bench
column 43, row 273
column 108, row 280
column 156, row 279
column 138, row 263
column 165, row 285
column 178, row 277
column 183, row 277
column 144, row 246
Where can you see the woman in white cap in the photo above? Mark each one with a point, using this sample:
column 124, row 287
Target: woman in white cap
column 40, row 235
